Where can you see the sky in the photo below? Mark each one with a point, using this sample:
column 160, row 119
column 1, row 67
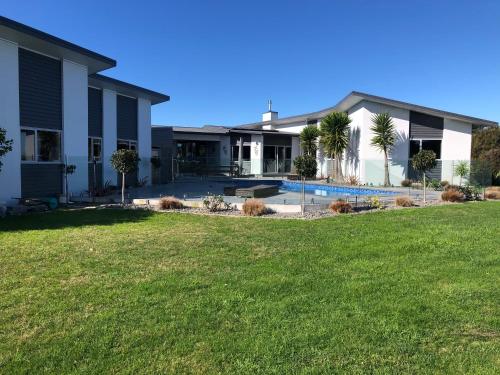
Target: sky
column 222, row 60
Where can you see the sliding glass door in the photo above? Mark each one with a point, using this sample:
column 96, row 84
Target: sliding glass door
column 277, row 159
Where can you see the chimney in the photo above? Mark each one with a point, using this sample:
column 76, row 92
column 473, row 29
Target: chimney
column 270, row 115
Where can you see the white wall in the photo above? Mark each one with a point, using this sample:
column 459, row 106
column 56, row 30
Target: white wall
column 75, row 123
column 109, row 134
column 10, row 175
column 373, row 168
column 257, row 154
column 456, row 146
column 144, row 141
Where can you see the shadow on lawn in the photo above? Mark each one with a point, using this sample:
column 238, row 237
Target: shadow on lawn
column 61, row 219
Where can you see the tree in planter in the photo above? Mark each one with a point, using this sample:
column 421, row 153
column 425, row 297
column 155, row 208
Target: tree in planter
column 306, row 166
column 124, row 162
column 308, row 140
column 5, row 145
column 384, row 138
column 422, row 162
column 462, row 170
column 334, row 136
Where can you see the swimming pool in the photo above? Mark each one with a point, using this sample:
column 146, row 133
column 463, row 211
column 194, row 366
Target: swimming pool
column 318, row 189
column 329, row 190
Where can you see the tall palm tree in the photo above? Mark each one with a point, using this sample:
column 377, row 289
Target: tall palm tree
column 334, row 132
column 308, row 138
column 384, row 138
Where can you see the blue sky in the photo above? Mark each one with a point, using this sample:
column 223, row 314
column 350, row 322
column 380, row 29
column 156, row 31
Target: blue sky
column 221, row 60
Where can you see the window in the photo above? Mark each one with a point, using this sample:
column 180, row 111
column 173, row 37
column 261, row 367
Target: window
column 288, row 153
column 124, row 144
column 425, row 144
column 433, row 145
column 40, row 145
column 246, row 153
column 95, row 149
column 414, row 147
column 28, row 145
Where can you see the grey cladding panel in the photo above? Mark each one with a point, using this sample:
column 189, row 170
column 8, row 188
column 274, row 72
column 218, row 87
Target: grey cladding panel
column 95, row 112
column 126, row 117
column 41, row 180
column 425, row 126
column 95, row 178
column 433, row 174
column 40, row 91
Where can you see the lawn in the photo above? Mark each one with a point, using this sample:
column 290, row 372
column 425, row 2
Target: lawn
column 407, row 291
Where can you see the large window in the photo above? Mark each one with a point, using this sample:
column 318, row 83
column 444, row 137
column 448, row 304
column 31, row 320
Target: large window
column 124, row 144
column 40, row 145
column 95, row 149
column 425, row 144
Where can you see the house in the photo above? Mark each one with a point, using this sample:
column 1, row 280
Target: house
column 448, row 134
column 218, row 149
column 58, row 109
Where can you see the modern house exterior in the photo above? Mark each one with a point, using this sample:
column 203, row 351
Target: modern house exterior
column 59, row 110
column 448, row 134
column 224, row 150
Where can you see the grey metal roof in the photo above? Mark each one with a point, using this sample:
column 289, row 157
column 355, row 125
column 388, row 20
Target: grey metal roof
column 355, row 97
column 215, row 129
column 126, row 88
column 37, row 40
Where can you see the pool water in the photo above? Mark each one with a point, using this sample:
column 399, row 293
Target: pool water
column 320, row 190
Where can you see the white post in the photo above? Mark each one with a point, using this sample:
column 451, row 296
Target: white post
column 75, row 124
column 10, row 175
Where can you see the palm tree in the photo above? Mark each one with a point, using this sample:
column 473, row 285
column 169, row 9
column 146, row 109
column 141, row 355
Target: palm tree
column 334, row 132
column 308, row 138
column 384, row 138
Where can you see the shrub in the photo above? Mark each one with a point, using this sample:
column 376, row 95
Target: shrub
column 404, row 202
column 341, row 206
column 434, row 184
column 306, row 166
column 406, row 183
column 471, row 193
column 452, row 195
column 254, row 207
column 215, row 203
column 352, row 180
column 170, row 203
column 444, row 184
column 417, row 185
column 374, row 202
column 492, row 192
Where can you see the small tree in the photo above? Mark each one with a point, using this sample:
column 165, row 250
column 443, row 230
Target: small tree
column 384, row 138
column 5, row 145
column 124, row 162
column 306, row 166
column 308, row 140
column 462, row 170
column 334, row 132
column 424, row 161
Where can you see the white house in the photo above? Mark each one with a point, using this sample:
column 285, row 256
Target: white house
column 58, row 110
column 447, row 134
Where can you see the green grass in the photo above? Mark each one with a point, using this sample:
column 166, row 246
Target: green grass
column 407, row 291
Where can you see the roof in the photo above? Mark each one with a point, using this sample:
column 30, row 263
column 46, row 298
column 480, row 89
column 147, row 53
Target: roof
column 126, row 88
column 216, row 129
column 355, row 97
column 31, row 38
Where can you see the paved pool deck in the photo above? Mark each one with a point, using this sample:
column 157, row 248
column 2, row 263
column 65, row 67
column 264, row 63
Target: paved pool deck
column 196, row 188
